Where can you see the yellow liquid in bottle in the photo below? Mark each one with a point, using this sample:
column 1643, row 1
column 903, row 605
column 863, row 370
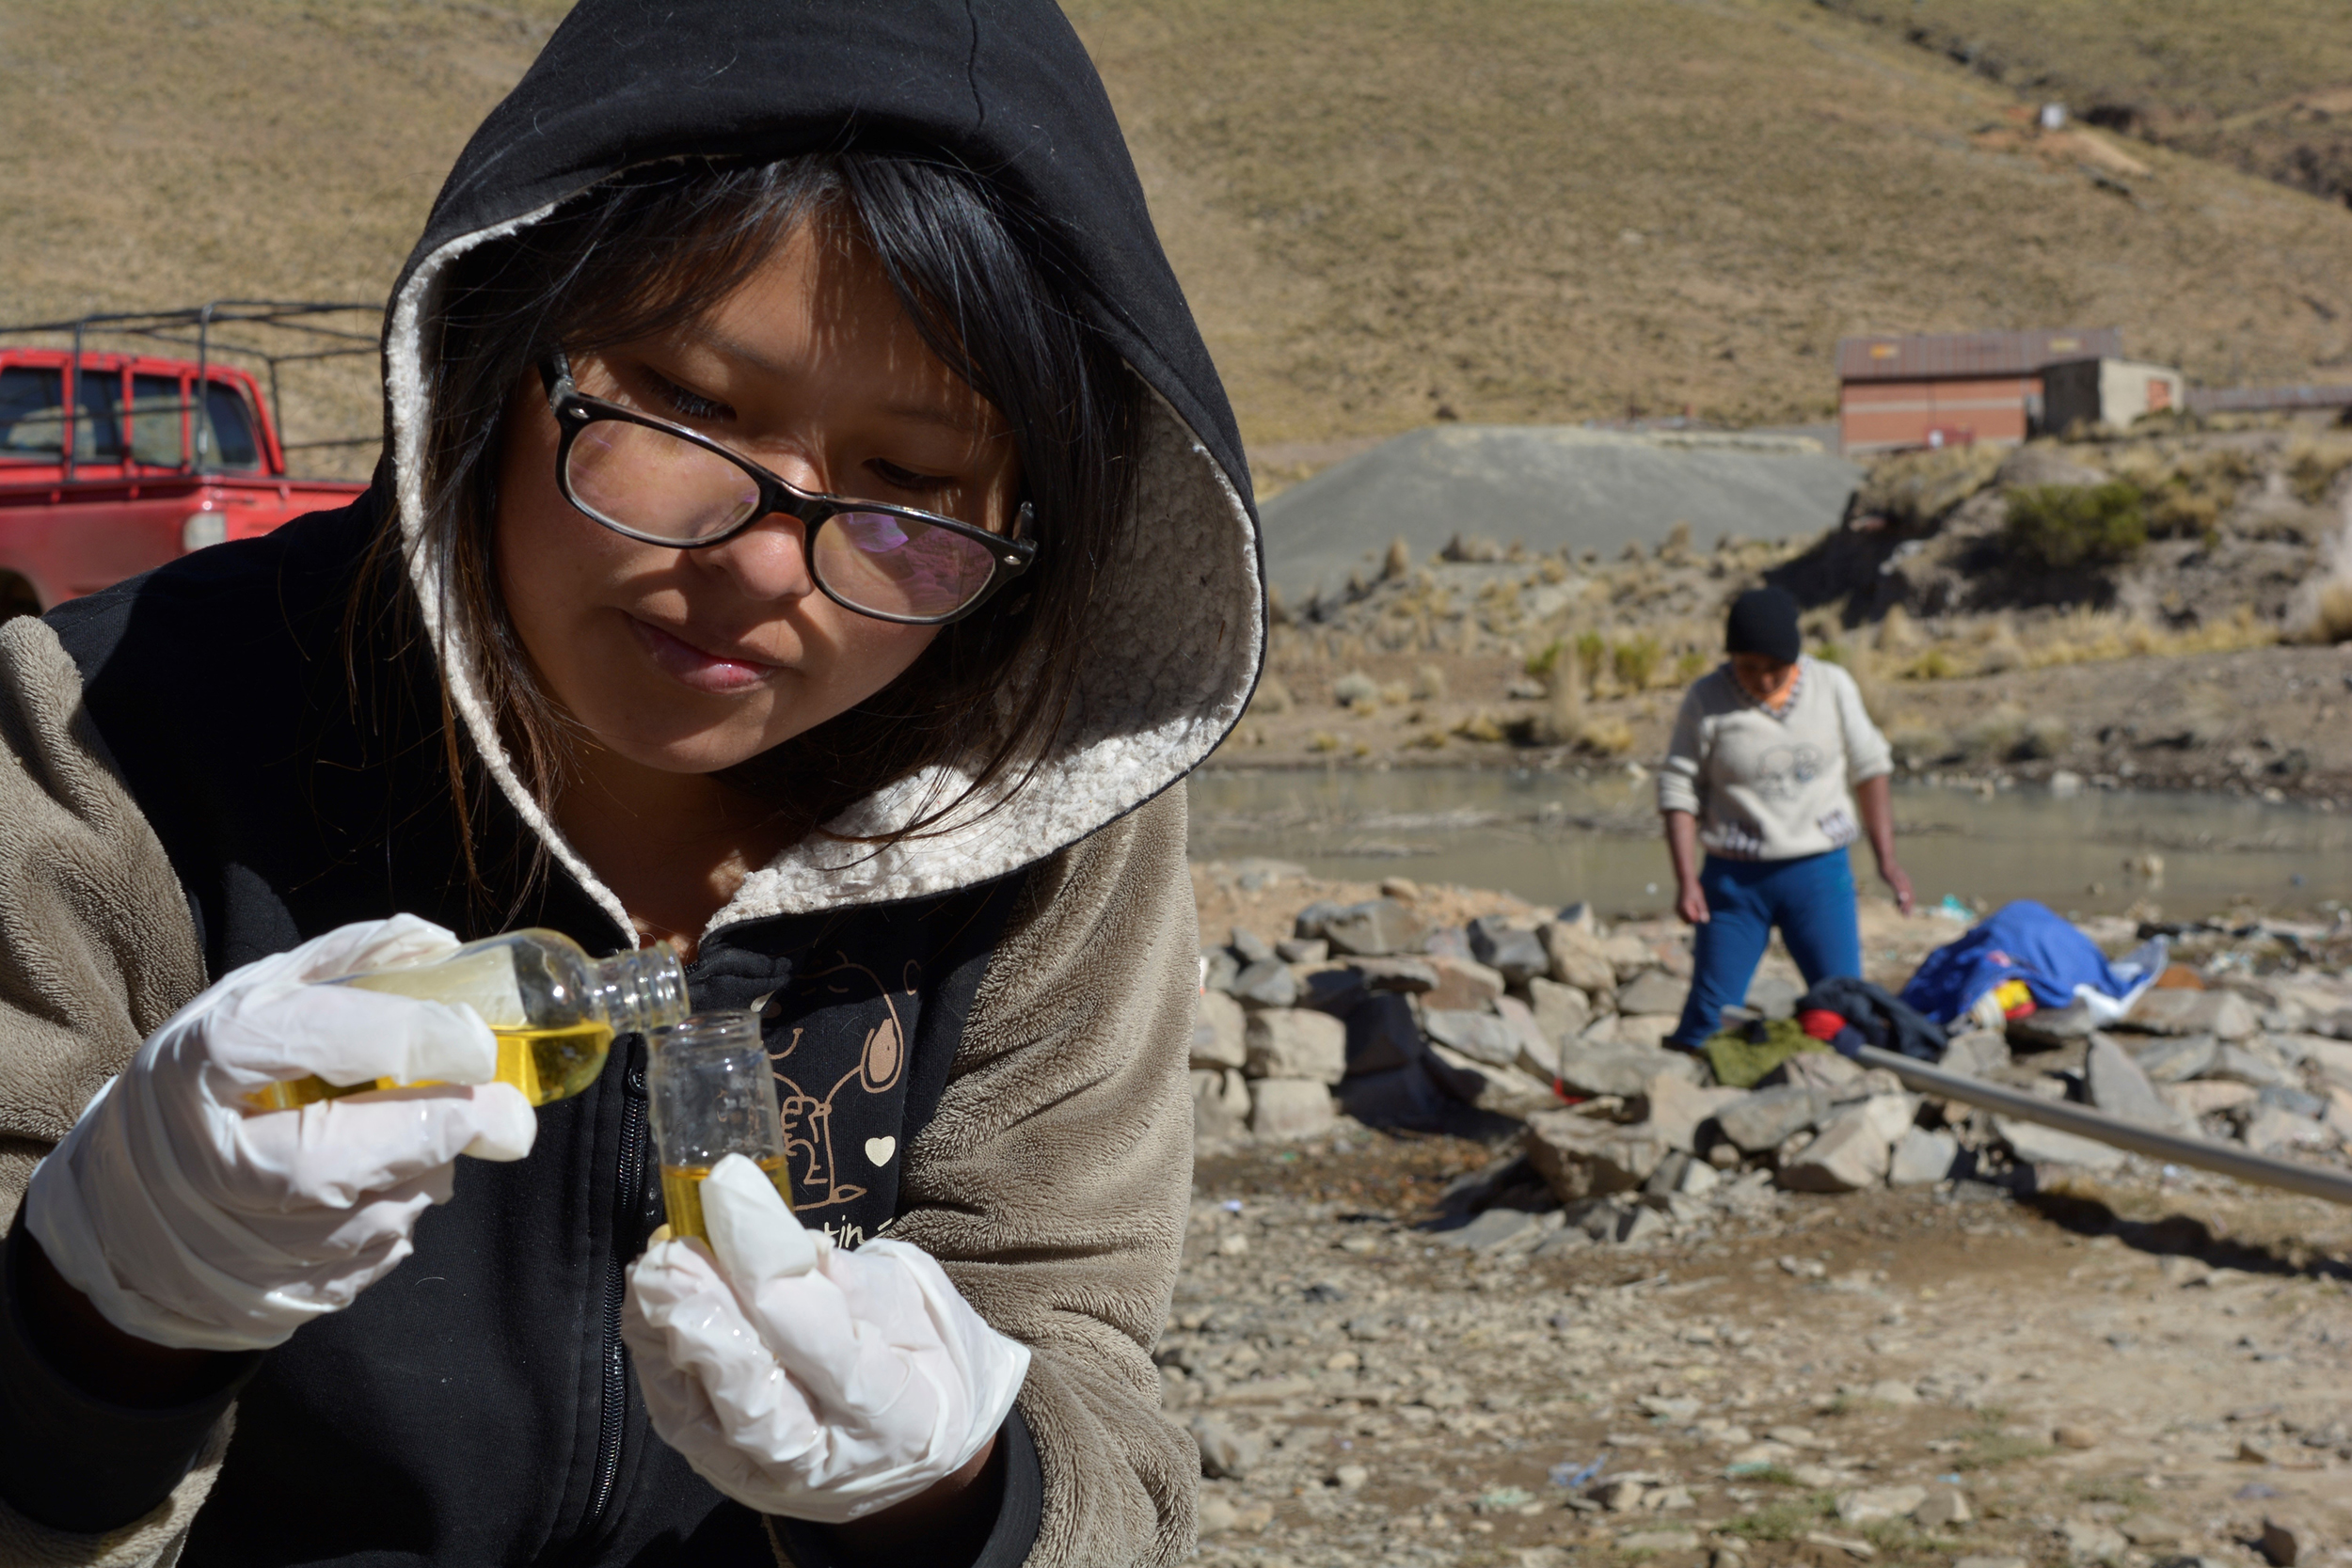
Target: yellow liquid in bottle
column 682, row 1193
column 545, row 1064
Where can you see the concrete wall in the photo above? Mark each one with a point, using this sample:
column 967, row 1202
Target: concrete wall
column 2112, row 392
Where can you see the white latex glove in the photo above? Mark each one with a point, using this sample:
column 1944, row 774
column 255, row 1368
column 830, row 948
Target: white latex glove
column 193, row 1222
column 803, row 1380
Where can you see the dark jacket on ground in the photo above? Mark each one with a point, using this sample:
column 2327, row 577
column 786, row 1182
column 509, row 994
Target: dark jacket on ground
column 980, row 1036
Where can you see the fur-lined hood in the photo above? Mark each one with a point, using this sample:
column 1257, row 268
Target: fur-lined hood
column 1005, row 86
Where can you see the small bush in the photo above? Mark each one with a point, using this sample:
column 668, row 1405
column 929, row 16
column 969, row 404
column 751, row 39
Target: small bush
column 1606, row 736
column 1933, row 665
column 1541, row 663
column 1592, row 652
column 2334, row 623
column 1356, row 690
column 1690, row 667
column 2312, row 468
column 1428, row 683
column 1785, row 1521
column 1635, row 660
column 2061, row 528
column 1917, row 487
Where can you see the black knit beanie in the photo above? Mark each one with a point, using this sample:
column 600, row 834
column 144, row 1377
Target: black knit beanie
column 1764, row 621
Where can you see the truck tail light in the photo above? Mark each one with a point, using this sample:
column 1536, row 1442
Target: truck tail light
column 200, row 529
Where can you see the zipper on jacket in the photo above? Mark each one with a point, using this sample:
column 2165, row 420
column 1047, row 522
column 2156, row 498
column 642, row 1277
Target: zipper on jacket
column 629, row 1197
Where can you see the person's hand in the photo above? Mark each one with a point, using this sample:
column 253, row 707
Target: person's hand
column 1896, row 883
column 1691, row 904
column 807, row 1381
column 192, row 1222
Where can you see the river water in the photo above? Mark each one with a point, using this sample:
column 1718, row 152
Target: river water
column 1552, row 840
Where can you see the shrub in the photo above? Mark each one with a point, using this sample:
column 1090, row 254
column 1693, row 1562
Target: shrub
column 1635, row 660
column 1356, row 690
column 1541, row 663
column 1917, row 487
column 1690, row 667
column 1428, row 683
column 2313, row 466
column 2063, row 527
column 1592, row 650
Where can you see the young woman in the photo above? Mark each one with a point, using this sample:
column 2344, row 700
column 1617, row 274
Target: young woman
column 1773, row 758
column 810, row 531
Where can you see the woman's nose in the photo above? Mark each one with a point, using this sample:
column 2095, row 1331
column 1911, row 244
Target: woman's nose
column 768, row 560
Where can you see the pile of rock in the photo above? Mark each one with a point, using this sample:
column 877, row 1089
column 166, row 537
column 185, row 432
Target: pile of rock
column 2267, row 1063
column 1366, row 1008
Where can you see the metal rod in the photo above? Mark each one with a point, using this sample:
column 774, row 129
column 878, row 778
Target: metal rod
column 2084, row 1122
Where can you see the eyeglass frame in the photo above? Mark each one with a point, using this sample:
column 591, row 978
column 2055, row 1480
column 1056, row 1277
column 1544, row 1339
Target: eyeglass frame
column 1009, row 554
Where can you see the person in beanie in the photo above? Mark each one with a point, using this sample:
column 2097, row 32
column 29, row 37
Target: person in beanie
column 1773, row 761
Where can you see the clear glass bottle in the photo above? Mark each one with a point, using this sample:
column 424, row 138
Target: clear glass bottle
column 712, row 1093
column 554, row 1009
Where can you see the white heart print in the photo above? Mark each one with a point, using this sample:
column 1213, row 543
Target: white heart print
column 879, row 1151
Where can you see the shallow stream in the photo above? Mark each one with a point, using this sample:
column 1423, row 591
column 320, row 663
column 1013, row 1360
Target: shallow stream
column 1552, row 840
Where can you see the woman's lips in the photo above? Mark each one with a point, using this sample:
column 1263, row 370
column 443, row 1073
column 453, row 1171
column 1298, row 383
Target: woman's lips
column 691, row 666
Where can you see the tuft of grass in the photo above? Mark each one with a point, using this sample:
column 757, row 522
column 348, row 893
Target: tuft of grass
column 2062, row 528
column 1786, row 1520
column 1635, row 660
column 2111, row 1489
column 1990, row 1448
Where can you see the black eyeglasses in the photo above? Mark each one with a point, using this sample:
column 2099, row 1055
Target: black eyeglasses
column 665, row 484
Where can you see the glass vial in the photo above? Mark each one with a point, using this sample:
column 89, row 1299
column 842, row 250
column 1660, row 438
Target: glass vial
column 554, row 1009
column 713, row 1094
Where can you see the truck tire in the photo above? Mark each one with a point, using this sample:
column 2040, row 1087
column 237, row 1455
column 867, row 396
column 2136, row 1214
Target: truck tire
column 17, row 597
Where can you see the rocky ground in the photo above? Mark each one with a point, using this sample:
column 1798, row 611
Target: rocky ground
column 2130, row 1372
column 1650, row 1326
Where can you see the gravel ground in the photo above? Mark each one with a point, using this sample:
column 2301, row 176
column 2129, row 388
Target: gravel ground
column 2133, row 1372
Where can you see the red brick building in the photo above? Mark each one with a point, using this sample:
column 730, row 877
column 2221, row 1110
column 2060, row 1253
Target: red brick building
column 1952, row 388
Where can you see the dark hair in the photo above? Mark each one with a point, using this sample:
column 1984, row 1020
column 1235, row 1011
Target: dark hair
column 982, row 281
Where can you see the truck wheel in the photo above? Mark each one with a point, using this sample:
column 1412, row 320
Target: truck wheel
column 17, row 597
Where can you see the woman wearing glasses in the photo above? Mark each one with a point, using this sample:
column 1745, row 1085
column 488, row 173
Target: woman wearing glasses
column 810, row 533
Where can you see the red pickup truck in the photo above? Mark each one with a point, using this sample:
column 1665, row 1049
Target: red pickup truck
column 115, row 460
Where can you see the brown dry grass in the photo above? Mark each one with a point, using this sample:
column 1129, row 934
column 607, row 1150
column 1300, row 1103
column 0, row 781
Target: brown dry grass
column 1540, row 210
column 2264, row 85
column 1515, row 209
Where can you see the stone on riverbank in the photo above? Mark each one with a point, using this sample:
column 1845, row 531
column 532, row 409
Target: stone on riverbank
column 1580, row 1157
column 1297, row 1044
column 1290, row 1108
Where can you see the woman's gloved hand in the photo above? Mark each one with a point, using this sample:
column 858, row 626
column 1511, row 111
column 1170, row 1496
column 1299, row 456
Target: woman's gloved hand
column 191, row 1222
column 803, row 1380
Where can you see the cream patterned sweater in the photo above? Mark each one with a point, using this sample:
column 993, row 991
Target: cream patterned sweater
column 1772, row 786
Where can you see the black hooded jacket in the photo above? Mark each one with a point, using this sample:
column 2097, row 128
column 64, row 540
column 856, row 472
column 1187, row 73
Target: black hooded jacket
column 476, row 1406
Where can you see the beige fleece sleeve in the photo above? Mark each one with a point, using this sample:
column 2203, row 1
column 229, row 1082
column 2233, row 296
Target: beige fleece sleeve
column 97, row 948
column 1054, row 1181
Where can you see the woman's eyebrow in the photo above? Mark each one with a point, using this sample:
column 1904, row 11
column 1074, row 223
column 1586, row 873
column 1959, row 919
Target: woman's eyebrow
column 924, row 411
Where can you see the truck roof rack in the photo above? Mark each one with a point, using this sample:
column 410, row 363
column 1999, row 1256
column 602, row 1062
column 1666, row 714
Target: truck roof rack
column 268, row 332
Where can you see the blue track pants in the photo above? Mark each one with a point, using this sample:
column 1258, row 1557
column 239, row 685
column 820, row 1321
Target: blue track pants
column 1810, row 899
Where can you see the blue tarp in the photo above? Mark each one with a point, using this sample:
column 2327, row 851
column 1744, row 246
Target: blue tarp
column 2026, row 942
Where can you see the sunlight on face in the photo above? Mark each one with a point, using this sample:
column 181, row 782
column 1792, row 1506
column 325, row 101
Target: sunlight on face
column 691, row 661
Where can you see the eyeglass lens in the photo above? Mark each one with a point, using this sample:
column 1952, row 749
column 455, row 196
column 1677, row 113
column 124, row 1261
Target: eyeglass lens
column 656, row 485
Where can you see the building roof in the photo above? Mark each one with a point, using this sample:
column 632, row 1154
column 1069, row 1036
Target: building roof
column 1956, row 356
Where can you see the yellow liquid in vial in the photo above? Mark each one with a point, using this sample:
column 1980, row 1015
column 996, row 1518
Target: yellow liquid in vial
column 682, row 1193
column 545, row 1064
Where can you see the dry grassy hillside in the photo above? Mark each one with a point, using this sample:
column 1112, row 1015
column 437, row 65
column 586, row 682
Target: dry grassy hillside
column 1507, row 208
column 1536, row 210
column 2265, row 85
